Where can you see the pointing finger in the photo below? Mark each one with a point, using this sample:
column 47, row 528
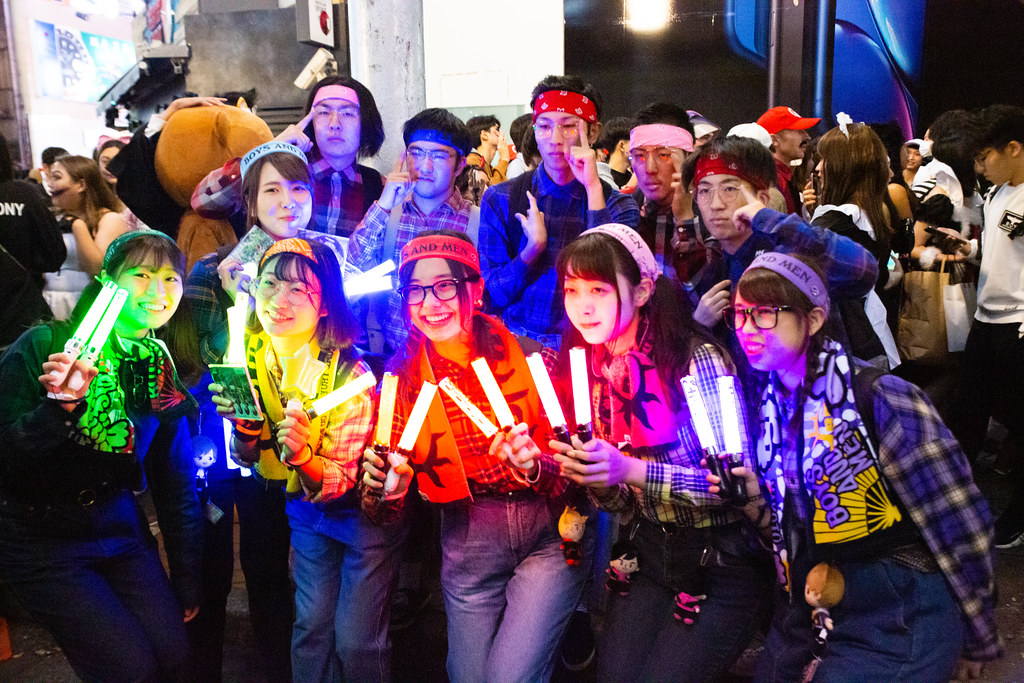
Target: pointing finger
column 401, row 161
column 305, row 120
column 581, row 127
column 748, row 195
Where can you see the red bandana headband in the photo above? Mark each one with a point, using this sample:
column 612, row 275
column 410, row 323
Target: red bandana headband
column 715, row 164
column 292, row 245
column 565, row 101
column 442, row 246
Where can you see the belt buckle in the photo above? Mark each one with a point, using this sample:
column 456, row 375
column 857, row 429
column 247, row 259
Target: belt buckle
column 86, row 497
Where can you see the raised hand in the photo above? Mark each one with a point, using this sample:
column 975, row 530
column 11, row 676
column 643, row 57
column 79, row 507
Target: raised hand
column 397, row 185
column 70, row 389
column 534, row 229
column 232, row 277
column 709, row 309
column 682, row 200
column 295, row 134
column 743, row 218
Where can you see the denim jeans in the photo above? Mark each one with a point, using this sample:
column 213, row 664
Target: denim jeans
column 892, row 624
column 345, row 568
column 105, row 597
column 508, row 591
column 642, row 639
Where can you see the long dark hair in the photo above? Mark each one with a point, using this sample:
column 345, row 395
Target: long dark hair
column 857, row 172
column 97, row 196
column 371, row 126
column 336, row 330
column 670, row 326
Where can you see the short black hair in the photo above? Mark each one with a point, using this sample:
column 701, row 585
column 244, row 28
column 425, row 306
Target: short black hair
column 664, row 112
column 954, row 136
column 999, row 125
column 517, row 130
column 478, row 124
column 371, row 127
column 749, row 154
column 614, row 130
column 572, row 84
column 50, row 154
column 443, row 121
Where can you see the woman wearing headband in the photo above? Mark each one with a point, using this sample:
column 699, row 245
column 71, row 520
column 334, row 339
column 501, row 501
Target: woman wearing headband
column 75, row 548
column 700, row 592
column 508, row 589
column 300, row 349
column 859, row 473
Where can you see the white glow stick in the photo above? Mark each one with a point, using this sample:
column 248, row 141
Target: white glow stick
column 358, row 286
column 324, row 405
column 417, row 417
column 699, row 414
column 471, row 411
column 386, row 412
column 580, row 385
column 73, row 347
column 548, row 397
column 379, row 270
column 730, row 414
column 498, row 403
column 99, row 336
column 236, row 330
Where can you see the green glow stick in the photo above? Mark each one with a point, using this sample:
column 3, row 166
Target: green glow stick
column 99, row 336
column 73, row 347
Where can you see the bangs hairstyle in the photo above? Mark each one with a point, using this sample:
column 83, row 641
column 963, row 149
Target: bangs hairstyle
column 288, row 165
column 763, row 287
column 336, row 330
column 371, row 127
column 146, row 250
column 670, row 327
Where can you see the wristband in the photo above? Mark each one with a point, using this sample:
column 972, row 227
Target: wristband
column 302, row 463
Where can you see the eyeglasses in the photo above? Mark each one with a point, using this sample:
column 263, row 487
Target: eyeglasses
column 438, row 156
column 296, row 294
column 663, row 155
column 443, row 290
column 728, row 193
column 568, row 131
column 764, row 317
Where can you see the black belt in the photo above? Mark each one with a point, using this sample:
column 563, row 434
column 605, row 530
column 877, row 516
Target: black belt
column 91, row 496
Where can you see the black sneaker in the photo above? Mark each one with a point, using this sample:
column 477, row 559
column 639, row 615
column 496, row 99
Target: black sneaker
column 1009, row 532
column 578, row 645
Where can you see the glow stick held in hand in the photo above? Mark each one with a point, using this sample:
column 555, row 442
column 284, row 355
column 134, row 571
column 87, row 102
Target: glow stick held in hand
column 385, row 414
column 499, row 405
column 699, row 415
column 581, row 393
column 236, row 329
column 409, row 435
column 731, row 431
column 548, row 397
column 324, row 405
column 73, row 347
column 468, row 407
column 99, row 336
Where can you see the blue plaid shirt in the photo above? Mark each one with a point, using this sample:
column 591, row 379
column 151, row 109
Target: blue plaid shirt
column 527, row 297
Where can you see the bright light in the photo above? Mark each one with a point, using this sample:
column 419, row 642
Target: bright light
column 646, row 16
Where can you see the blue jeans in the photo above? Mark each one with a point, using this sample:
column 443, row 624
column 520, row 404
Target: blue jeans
column 345, row 568
column 892, row 624
column 104, row 597
column 642, row 639
column 508, row 591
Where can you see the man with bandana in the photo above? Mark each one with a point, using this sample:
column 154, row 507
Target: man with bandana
column 525, row 222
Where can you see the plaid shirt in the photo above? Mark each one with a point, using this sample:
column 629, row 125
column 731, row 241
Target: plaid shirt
column 925, row 466
column 209, row 305
column 337, row 195
column 527, row 297
column 676, row 490
column 487, row 475
column 344, row 432
column 366, row 249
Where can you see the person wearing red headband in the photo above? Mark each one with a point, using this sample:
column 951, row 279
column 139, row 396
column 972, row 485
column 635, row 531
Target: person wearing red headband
column 341, row 125
column 508, row 589
column 789, row 141
column 524, row 223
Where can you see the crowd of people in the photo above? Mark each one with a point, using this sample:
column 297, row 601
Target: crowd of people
column 722, row 304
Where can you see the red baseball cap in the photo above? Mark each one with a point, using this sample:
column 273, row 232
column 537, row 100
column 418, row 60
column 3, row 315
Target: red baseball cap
column 784, row 118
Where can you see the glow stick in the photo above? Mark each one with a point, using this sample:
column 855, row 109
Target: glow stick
column 471, row 411
column 73, row 347
column 699, row 414
column 730, row 414
column 548, row 397
column 386, row 411
column 99, row 336
column 581, row 392
column 376, row 279
column 379, row 270
column 324, row 405
column 236, row 330
column 498, row 403
column 417, row 417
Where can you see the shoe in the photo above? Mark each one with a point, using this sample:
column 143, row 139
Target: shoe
column 1009, row 532
column 406, row 605
column 578, row 645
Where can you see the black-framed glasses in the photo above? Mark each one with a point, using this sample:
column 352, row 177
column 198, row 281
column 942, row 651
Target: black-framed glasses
column 444, row 290
column 438, row 156
column 295, row 293
column 764, row 317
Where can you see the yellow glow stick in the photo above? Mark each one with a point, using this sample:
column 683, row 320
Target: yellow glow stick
column 471, row 411
column 326, row 404
column 386, row 411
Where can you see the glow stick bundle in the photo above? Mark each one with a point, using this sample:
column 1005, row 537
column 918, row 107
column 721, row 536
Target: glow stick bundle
column 581, row 393
column 548, row 397
column 353, row 388
column 409, row 435
column 91, row 334
column 732, row 488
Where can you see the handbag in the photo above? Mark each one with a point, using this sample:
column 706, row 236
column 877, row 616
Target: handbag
column 921, row 336
column 959, row 302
